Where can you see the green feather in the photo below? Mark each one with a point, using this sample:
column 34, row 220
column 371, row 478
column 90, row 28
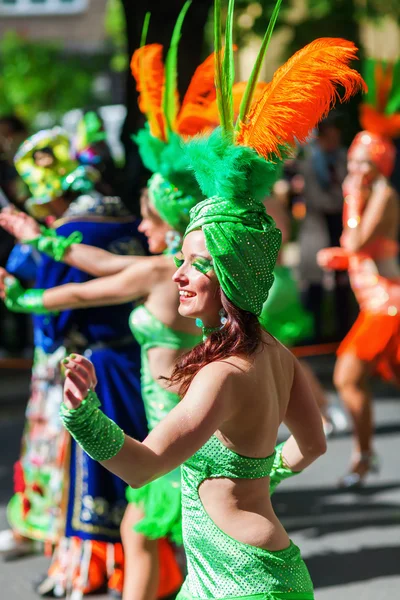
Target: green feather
column 224, row 100
column 145, row 29
column 393, row 105
column 369, row 77
column 170, row 105
column 228, row 68
column 247, row 99
column 230, row 171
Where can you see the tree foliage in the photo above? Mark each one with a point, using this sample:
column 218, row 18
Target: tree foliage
column 39, row 77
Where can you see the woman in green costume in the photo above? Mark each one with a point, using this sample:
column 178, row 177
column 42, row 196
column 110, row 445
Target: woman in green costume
column 154, row 512
column 224, row 429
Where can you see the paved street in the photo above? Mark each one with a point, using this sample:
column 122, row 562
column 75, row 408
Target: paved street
column 351, row 541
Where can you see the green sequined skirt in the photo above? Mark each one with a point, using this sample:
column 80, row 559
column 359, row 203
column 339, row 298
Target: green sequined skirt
column 185, row 595
column 161, row 504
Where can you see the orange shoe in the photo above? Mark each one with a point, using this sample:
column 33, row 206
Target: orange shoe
column 171, row 577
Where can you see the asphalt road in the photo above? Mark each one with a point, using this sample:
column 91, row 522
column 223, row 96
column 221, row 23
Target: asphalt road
column 351, row 541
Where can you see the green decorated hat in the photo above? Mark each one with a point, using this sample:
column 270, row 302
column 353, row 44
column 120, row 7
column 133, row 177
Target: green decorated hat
column 173, row 189
column 237, row 164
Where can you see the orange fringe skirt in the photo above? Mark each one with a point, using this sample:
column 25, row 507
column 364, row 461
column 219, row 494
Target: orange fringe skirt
column 375, row 338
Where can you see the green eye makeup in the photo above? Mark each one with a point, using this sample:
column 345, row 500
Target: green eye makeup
column 204, row 265
column 178, row 262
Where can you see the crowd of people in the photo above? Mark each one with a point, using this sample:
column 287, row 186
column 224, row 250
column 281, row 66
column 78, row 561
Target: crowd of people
column 162, row 366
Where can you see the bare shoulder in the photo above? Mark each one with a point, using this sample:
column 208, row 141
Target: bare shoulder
column 220, row 374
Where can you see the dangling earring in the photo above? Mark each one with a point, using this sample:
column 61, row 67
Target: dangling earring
column 223, row 317
column 173, row 239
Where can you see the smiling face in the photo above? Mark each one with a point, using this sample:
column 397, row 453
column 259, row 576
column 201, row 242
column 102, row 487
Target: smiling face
column 199, row 289
column 153, row 227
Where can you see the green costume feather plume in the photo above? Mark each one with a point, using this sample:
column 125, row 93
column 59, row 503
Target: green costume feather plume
column 255, row 73
column 171, row 98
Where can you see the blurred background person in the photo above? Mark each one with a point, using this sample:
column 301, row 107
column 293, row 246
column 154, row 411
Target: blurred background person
column 320, row 176
column 369, row 251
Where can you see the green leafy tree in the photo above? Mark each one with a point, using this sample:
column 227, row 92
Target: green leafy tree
column 40, row 77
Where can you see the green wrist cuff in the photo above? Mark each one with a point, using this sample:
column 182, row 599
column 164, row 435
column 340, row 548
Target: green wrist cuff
column 98, row 435
column 20, row 300
column 279, row 470
column 52, row 244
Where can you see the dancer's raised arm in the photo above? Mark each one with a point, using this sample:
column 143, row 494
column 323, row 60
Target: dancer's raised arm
column 182, row 432
column 132, row 283
column 92, row 260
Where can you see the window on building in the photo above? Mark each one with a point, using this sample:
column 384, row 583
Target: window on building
column 42, row 7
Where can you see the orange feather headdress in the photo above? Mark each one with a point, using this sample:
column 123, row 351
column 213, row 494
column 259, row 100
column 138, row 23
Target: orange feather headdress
column 272, row 119
column 380, row 114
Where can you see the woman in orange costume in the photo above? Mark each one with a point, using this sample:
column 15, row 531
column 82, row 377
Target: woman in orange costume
column 369, row 250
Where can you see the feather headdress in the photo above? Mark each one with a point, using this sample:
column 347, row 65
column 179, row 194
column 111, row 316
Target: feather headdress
column 380, row 113
column 301, row 93
column 237, row 163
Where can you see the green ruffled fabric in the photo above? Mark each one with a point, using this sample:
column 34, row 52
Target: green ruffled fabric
column 52, row 244
column 161, row 504
column 279, row 471
column 283, row 315
column 20, row 300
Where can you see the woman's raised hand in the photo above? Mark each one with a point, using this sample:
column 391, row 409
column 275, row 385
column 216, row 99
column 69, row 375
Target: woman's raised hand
column 80, row 376
column 333, row 259
column 19, row 224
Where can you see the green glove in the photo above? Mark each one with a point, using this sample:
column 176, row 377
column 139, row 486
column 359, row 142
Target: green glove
column 98, row 435
column 52, row 244
column 20, row 300
column 279, row 470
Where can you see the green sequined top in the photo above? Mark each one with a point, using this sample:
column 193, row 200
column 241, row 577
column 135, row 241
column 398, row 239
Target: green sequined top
column 152, row 333
column 220, row 566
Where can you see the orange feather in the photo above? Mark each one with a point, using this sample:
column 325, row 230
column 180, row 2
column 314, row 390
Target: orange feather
column 199, row 110
column 148, row 70
column 238, row 91
column 300, row 94
column 194, row 115
column 379, row 123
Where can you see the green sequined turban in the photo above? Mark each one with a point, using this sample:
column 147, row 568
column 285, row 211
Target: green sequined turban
column 173, row 189
column 240, row 236
column 244, row 244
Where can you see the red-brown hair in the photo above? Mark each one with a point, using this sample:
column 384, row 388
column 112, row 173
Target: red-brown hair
column 241, row 335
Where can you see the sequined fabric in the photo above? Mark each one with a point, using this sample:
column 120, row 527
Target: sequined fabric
column 99, row 436
column 173, row 204
column 220, row 567
column 160, row 499
column 244, row 244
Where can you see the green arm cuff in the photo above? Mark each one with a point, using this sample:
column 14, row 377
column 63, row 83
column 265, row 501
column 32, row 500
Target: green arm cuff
column 52, row 244
column 20, row 300
column 279, row 470
column 98, row 435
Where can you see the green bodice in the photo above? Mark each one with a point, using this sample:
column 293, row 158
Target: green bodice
column 152, row 333
column 218, row 565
